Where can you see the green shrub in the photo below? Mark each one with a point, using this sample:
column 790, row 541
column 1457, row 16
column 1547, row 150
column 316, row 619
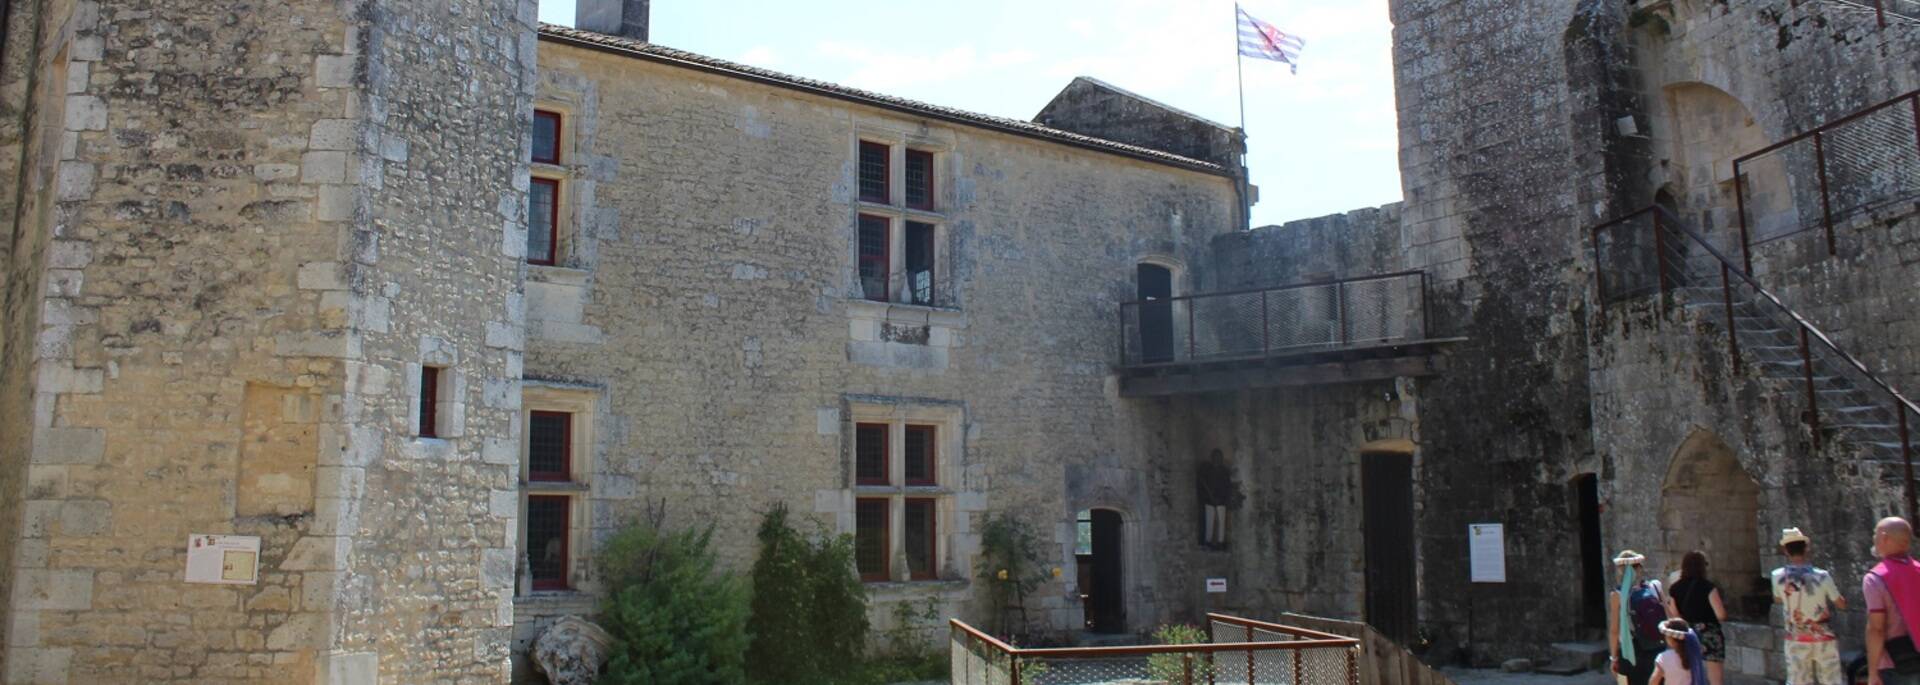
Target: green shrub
column 675, row 618
column 809, row 608
column 910, row 655
column 1172, row 668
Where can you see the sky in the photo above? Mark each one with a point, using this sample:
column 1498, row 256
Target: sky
column 1320, row 143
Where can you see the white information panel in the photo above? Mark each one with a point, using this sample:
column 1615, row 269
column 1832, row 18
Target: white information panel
column 223, row 559
column 1216, row 585
column 1486, row 542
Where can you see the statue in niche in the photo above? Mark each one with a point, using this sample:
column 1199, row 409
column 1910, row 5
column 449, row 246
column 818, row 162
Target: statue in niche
column 1217, row 493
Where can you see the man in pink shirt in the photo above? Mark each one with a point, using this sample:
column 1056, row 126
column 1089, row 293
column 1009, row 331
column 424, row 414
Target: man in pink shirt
column 1892, row 540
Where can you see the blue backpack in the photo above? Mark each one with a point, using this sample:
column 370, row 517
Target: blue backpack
column 1648, row 608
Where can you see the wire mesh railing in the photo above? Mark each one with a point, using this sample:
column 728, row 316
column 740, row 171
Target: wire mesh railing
column 1860, row 163
column 1237, row 651
column 1651, row 253
column 1301, row 318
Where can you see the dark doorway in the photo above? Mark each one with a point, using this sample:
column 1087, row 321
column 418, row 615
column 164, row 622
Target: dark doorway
column 1102, row 590
column 1386, row 481
column 1156, row 317
column 1593, row 571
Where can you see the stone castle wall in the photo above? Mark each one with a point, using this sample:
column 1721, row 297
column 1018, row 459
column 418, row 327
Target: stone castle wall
column 252, row 226
column 706, row 307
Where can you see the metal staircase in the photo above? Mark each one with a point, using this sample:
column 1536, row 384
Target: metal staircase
column 1846, row 405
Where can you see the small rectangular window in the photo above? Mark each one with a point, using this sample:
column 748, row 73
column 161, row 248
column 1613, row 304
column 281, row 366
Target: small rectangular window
column 920, row 456
column 875, row 172
column 919, row 174
column 919, row 539
column 547, row 526
column 429, row 401
column 919, row 258
column 870, row 454
column 543, row 221
column 875, row 247
column 870, row 539
column 550, row 446
column 546, row 137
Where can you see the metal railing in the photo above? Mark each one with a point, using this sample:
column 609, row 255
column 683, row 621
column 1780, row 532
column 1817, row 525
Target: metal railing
column 1237, row 650
column 1299, row 318
column 1858, row 163
column 1906, row 10
column 1651, row 252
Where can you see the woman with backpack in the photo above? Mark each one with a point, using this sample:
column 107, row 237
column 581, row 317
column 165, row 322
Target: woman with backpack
column 1697, row 600
column 1634, row 613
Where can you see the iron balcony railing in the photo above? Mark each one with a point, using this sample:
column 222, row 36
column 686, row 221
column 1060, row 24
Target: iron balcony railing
column 1859, row 163
column 1318, row 316
column 1237, row 650
column 1650, row 252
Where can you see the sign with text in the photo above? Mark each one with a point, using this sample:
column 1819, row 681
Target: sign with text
column 1216, row 585
column 223, row 559
column 1486, row 542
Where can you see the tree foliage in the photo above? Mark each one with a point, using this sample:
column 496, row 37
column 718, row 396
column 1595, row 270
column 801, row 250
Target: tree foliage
column 809, row 607
column 675, row 617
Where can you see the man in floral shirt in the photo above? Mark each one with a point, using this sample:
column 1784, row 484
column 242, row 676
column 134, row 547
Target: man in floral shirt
column 1809, row 596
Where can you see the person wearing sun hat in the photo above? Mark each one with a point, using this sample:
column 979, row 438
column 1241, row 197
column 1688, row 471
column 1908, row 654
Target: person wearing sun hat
column 1807, row 596
column 1634, row 614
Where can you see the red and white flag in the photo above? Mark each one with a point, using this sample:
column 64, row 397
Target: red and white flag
column 1260, row 39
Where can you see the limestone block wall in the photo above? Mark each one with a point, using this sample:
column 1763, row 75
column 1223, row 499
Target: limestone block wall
column 1500, row 167
column 255, row 221
column 734, row 355
column 1663, row 388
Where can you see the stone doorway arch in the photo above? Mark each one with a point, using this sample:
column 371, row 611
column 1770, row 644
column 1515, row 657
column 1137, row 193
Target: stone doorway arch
column 1709, row 503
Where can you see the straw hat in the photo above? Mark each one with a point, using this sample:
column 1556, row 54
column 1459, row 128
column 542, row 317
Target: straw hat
column 1792, row 535
column 1628, row 557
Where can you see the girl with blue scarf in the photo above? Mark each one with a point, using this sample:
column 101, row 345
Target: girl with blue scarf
column 1634, row 613
column 1684, row 662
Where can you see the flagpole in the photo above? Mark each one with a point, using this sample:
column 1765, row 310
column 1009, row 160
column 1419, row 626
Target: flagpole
column 1240, row 88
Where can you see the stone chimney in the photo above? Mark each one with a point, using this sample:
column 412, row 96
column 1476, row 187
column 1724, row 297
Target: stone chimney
column 624, row 18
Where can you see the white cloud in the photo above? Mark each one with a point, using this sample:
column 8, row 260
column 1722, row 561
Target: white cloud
column 760, row 56
column 885, row 71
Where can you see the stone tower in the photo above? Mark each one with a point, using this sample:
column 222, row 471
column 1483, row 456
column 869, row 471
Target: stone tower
column 238, row 234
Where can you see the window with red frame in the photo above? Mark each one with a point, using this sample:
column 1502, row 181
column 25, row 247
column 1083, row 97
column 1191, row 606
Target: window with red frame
column 547, row 531
column 429, row 401
column 870, row 454
column 546, row 137
column 550, row 446
column 875, row 247
column 919, row 178
column 919, row 456
column 919, row 539
column 870, row 539
column 875, row 172
column 543, row 221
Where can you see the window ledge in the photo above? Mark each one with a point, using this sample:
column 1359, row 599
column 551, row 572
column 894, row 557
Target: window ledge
column 538, row 486
column 558, row 275
column 946, row 317
column 893, row 590
column 908, row 490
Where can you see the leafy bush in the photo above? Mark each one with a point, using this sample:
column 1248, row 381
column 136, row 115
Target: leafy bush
column 1172, row 668
column 675, row 618
column 809, row 608
column 1011, row 567
column 909, row 655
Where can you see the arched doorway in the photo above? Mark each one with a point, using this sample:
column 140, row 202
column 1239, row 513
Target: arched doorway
column 1098, row 555
column 1709, row 503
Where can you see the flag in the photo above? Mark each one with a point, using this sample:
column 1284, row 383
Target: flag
column 1261, row 39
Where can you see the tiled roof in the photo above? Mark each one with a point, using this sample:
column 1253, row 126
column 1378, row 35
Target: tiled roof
column 665, row 55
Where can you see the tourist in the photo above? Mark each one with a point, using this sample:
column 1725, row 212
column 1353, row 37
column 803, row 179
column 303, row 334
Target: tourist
column 1697, row 600
column 1683, row 663
column 1807, row 596
column 1892, row 590
column 1634, row 613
